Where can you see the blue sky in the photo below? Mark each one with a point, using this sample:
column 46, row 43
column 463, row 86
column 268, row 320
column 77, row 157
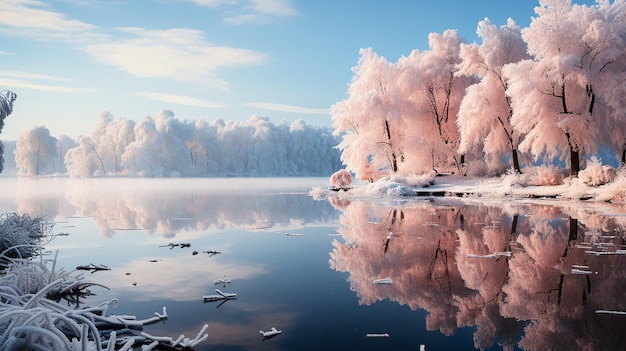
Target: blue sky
column 68, row 60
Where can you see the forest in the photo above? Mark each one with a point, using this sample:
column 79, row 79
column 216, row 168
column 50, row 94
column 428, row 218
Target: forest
column 164, row 146
column 552, row 94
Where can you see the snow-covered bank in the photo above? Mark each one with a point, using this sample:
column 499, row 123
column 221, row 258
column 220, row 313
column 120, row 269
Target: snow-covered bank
column 512, row 186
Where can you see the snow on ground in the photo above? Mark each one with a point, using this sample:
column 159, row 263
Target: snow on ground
column 509, row 186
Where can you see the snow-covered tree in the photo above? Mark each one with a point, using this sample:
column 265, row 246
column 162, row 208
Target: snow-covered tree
column 160, row 147
column 203, row 148
column 558, row 95
column 7, row 98
column 610, row 33
column 100, row 152
column 370, row 120
column 83, row 160
column 10, row 170
column 35, row 152
column 165, row 146
column 484, row 118
column 64, row 143
column 429, row 80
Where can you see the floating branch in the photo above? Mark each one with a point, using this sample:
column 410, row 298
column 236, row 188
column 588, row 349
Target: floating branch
column 384, row 281
column 223, row 281
column 93, row 268
column 603, row 253
column 623, row 313
column 271, row 333
column 221, row 296
column 172, row 245
column 376, row 335
column 212, row 252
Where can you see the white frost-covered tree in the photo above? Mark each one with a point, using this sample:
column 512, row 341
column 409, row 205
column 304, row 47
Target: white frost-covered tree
column 165, row 146
column 6, row 108
column 100, row 153
column 484, row 118
column 35, row 152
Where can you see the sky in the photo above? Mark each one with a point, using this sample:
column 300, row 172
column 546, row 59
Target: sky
column 69, row 60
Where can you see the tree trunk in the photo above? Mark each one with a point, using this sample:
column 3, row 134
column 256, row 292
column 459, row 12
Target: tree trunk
column 516, row 166
column 394, row 158
column 575, row 162
column 514, row 224
column 574, row 156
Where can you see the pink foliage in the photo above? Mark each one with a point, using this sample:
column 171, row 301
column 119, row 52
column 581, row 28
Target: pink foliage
column 342, row 178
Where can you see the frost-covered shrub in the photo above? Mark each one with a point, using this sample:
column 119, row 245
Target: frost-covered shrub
column 546, row 175
column 32, row 319
column 341, row 179
column 596, row 174
column 22, row 233
column 317, row 193
column 615, row 191
column 32, row 316
column 385, row 186
column 512, row 178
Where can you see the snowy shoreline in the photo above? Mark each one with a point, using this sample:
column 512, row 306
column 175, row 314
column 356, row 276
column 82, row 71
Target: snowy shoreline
column 485, row 189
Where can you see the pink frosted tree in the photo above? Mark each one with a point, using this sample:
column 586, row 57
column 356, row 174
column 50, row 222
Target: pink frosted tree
column 484, row 118
column 610, row 32
column 430, row 82
column 558, row 95
column 370, row 120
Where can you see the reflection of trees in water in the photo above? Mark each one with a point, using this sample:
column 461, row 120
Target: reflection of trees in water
column 525, row 275
column 168, row 211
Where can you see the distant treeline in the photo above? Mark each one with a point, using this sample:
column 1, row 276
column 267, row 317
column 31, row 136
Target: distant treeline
column 164, row 146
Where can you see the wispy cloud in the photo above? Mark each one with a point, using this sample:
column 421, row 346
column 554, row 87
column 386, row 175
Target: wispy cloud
column 29, row 75
column 37, row 81
column 252, row 11
column 179, row 53
column 215, row 3
column 20, row 83
column 289, row 108
column 32, row 18
column 179, row 99
column 277, row 8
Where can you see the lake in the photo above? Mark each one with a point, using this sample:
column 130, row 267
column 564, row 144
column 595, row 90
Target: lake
column 497, row 274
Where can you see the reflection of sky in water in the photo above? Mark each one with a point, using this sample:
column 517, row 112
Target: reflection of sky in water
column 316, row 286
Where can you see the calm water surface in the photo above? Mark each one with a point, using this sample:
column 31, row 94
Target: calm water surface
column 465, row 275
